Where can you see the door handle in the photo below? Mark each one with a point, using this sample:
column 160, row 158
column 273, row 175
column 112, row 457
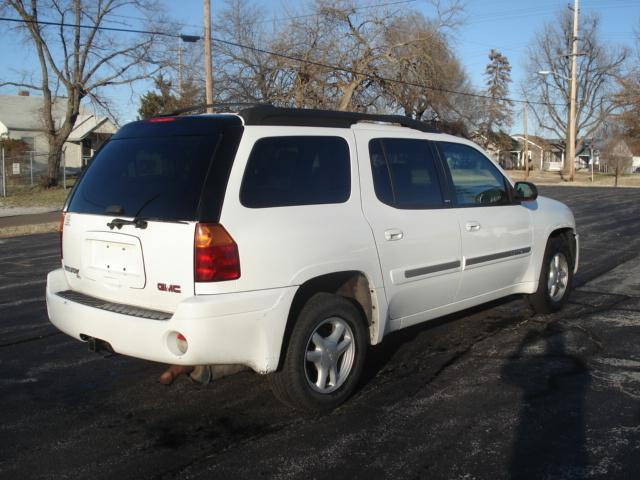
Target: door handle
column 472, row 226
column 393, row 234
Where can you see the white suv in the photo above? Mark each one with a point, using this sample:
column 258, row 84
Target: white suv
column 289, row 240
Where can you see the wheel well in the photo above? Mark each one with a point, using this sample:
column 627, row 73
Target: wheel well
column 352, row 285
column 569, row 236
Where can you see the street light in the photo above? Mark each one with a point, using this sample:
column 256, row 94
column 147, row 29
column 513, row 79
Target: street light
column 183, row 39
column 549, row 72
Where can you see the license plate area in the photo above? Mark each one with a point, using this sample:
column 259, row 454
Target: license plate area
column 115, row 262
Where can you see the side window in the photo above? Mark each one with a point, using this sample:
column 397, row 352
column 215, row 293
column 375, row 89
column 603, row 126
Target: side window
column 287, row 171
column 475, row 179
column 404, row 173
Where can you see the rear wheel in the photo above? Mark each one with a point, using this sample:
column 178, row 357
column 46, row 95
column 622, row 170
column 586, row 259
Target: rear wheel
column 555, row 277
column 324, row 357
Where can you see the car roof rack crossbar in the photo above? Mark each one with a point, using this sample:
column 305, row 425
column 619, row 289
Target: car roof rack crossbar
column 216, row 106
column 301, row 117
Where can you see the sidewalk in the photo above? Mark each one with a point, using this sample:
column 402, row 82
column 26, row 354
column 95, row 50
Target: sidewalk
column 15, row 221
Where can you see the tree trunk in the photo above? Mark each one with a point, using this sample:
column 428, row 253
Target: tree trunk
column 566, row 168
column 347, row 94
column 53, row 163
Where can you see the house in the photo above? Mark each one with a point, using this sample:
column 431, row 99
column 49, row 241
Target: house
column 21, row 117
column 538, row 151
column 499, row 146
column 617, row 156
column 549, row 154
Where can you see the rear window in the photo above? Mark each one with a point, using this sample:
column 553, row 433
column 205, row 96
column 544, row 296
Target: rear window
column 150, row 177
column 404, row 173
column 300, row 170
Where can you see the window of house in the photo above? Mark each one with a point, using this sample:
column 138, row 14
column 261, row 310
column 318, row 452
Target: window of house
column 30, row 141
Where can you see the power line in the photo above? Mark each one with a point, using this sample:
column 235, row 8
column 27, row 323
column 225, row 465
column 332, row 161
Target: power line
column 282, row 55
column 283, row 19
column 375, row 77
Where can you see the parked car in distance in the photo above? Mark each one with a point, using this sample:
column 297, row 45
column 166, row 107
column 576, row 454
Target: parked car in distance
column 290, row 240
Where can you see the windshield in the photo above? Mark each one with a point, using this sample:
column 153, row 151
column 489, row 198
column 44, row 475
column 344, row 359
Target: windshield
column 149, row 177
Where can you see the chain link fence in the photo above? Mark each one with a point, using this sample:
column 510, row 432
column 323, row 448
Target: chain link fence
column 22, row 172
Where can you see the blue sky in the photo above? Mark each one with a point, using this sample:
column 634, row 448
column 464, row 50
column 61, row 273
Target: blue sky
column 506, row 25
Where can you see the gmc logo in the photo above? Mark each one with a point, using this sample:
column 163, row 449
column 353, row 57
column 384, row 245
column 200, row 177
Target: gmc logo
column 163, row 287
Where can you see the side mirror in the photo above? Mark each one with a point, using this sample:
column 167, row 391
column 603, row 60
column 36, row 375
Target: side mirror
column 525, row 192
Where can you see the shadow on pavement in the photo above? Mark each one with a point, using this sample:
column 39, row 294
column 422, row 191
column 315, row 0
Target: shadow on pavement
column 550, row 437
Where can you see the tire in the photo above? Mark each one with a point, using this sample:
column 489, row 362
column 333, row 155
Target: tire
column 556, row 277
column 324, row 357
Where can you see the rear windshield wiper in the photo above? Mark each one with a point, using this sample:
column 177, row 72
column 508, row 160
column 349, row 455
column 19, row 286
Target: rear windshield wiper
column 119, row 222
column 140, row 222
column 137, row 221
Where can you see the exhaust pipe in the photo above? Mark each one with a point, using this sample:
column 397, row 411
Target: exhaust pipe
column 97, row 345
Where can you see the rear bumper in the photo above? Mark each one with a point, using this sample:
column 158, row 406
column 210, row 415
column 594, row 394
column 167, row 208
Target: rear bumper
column 236, row 328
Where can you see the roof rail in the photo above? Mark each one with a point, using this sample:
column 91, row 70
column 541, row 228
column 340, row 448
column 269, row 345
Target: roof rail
column 203, row 106
column 301, row 117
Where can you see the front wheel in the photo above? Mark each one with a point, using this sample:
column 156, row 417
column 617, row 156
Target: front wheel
column 324, row 357
column 555, row 277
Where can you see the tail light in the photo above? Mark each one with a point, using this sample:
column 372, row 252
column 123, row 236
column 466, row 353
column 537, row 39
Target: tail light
column 216, row 254
column 60, row 229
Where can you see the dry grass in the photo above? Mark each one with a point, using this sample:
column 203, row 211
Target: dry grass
column 582, row 179
column 7, row 232
column 36, row 197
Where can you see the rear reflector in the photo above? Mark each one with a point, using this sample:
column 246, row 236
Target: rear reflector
column 216, row 254
column 181, row 343
column 60, row 229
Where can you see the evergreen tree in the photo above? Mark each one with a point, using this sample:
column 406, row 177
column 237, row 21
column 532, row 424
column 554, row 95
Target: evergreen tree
column 153, row 103
column 498, row 110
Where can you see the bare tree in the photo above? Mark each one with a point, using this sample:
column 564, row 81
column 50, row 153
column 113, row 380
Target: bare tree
column 338, row 55
column 306, row 44
column 617, row 156
column 424, row 69
column 598, row 68
column 628, row 99
column 246, row 74
column 79, row 59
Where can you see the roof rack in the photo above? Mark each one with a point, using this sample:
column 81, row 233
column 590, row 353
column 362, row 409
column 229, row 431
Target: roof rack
column 301, row 117
column 203, row 106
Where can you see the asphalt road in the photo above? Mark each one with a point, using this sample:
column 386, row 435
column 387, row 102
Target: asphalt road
column 494, row 392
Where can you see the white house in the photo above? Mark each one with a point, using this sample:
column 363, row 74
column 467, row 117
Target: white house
column 21, row 117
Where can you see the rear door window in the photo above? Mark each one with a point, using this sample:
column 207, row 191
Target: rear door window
column 297, row 170
column 405, row 173
column 150, row 177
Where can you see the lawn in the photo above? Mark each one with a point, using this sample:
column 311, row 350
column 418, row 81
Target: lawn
column 582, row 178
column 35, row 196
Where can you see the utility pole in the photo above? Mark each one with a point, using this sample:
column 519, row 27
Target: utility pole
column 4, row 175
column 207, row 55
column 180, row 67
column 526, row 142
column 571, row 147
